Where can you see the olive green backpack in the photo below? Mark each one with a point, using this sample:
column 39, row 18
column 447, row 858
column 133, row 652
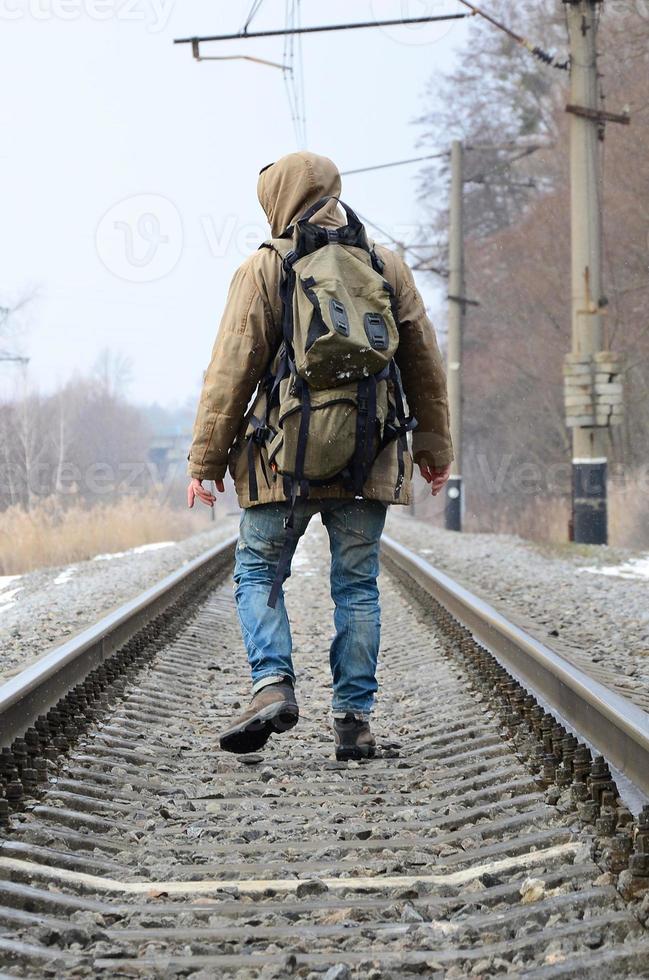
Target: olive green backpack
column 333, row 391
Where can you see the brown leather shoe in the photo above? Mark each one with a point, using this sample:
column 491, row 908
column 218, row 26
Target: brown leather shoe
column 354, row 739
column 273, row 709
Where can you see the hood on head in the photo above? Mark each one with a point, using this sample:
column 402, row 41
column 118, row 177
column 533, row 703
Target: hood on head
column 287, row 188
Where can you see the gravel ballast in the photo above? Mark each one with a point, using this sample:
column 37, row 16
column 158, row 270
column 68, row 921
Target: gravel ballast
column 41, row 609
column 598, row 621
column 595, row 619
column 440, row 857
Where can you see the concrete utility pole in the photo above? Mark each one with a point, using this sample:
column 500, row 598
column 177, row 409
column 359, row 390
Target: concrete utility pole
column 593, row 396
column 454, row 495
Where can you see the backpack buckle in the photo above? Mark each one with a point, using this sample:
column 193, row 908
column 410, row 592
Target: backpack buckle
column 362, row 404
column 289, row 260
column 261, row 434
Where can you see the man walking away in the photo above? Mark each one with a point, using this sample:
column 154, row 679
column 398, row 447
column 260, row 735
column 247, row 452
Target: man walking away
column 329, row 334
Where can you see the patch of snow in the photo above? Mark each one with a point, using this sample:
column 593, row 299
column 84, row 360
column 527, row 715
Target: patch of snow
column 6, row 579
column 65, row 575
column 140, row 550
column 634, row 568
column 8, row 598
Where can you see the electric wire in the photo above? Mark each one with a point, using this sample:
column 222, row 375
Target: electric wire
column 299, row 78
column 288, row 60
column 321, row 28
column 256, row 4
column 394, row 163
column 534, row 49
column 293, row 73
column 406, row 248
column 503, row 164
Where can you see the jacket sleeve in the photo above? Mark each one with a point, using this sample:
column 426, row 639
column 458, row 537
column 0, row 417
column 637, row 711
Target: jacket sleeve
column 242, row 350
column 422, row 372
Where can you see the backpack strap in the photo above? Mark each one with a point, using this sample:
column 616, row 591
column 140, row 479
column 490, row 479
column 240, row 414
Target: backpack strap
column 310, row 237
column 397, row 425
column 365, row 428
column 353, row 221
column 257, row 438
column 274, row 381
column 302, row 436
column 290, row 542
column 291, row 487
column 355, row 475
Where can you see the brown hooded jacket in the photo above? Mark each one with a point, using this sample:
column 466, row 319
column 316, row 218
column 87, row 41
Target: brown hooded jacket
column 251, row 332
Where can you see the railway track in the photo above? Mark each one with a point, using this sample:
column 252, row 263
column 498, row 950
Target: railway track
column 487, row 839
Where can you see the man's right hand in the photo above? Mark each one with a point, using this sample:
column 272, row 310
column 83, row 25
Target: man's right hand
column 196, row 489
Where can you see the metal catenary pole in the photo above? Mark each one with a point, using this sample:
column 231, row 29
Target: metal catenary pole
column 456, row 296
column 589, row 439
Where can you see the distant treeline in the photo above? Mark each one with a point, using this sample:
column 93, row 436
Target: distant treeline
column 84, row 442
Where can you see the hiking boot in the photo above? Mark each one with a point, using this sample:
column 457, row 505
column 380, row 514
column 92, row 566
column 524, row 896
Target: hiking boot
column 273, row 709
column 354, row 739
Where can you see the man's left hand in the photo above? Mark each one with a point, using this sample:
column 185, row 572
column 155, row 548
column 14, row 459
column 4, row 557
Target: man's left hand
column 196, row 489
column 435, row 477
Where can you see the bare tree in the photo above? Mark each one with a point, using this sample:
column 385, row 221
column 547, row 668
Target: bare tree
column 518, row 252
column 113, row 372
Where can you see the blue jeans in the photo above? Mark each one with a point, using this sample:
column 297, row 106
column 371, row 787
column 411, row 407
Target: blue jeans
column 354, row 528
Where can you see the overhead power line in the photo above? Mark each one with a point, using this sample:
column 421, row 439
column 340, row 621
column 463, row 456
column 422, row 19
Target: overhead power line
column 395, row 163
column 534, row 49
column 291, row 29
column 256, row 4
column 397, row 22
column 421, row 260
column 293, row 72
column 503, row 164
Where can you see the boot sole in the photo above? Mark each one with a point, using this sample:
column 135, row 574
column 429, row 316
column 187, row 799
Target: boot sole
column 253, row 734
column 353, row 753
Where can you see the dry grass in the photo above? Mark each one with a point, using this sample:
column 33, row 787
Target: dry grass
column 545, row 518
column 49, row 534
column 541, row 519
column 628, row 513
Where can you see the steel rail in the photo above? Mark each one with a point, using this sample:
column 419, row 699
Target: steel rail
column 36, row 689
column 618, row 729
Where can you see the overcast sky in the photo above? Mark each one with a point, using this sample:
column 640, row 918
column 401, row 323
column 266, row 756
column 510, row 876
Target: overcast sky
column 128, row 170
